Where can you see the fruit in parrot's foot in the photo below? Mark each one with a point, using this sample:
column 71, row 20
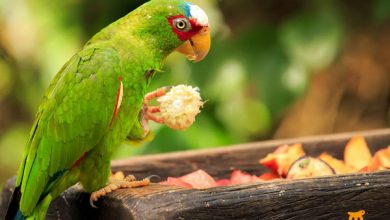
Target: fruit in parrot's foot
column 180, row 106
column 118, row 181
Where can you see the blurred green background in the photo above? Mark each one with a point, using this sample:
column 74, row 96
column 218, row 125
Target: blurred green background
column 277, row 69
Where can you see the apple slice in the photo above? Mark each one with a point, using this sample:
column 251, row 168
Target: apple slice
column 281, row 159
column 357, row 154
column 338, row 165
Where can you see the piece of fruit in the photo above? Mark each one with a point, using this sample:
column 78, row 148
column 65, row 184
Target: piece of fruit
column 281, row 159
column 239, row 177
column 366, row 169
column 180, row 106
column 199, row 179
column 338, row 165
column 357, row 154
column 309, row 167
column 223, row 182
column 380, row 161
column 176, row 182
column 268, row 176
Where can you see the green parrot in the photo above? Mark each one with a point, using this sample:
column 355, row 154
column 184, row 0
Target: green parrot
column 96, row 101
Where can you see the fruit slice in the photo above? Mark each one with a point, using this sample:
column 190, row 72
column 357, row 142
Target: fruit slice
column 381, row 160
column 309, row 167
column 357, row 154
column 223, row 182
column 281, row 159
column 269, row 176
column 338, row 165
column 176, row 182
column 199, row 179
column 239, row 177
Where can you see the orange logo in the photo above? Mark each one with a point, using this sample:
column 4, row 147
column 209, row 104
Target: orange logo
column 356, row 215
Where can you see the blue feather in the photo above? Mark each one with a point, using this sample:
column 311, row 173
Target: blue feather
column 186, row 8
column 19, row 216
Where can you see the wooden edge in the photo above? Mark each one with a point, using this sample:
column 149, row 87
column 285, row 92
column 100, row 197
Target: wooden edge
column 313, row 198
column 347, row 180
column 275, row 199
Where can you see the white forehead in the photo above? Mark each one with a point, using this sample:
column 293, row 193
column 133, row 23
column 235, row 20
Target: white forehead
column 199, row 15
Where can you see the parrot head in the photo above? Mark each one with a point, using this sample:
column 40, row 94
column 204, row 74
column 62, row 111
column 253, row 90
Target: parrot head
column 192, row 27
column 171, row 25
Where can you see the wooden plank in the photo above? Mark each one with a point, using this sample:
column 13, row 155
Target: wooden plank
column 320, row 198
column 317, row 198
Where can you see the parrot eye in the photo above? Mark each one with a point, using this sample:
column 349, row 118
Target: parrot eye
column 182, row 24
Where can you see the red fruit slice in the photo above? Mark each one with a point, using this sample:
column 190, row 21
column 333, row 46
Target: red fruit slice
column 357, row 154
column 269, row 176
column 199, row 179
column 239, row 177
column 176, row 182
column 223, row 182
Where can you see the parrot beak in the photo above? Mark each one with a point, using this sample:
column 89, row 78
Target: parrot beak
column 198, row 46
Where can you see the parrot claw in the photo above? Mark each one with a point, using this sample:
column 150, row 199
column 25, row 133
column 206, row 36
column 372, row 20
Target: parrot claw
column 153, row 176
column 148, row 112
column 64, row 198
column 91, row 204
column 118, row 181
column 156, row 94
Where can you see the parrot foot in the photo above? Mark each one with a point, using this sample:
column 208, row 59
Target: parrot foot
column 156, row 94
column 117, row 181
column 148, row 111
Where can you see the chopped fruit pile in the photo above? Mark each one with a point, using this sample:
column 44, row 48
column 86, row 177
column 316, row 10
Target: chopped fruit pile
column 200, row 179
column 291, row 162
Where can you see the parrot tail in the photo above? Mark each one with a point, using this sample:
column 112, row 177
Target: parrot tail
column 13, row 212
column 19, row 216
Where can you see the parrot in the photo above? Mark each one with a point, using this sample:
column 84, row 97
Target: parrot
column 96, row 101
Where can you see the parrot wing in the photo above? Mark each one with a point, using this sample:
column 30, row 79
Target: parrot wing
column 72, row 119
